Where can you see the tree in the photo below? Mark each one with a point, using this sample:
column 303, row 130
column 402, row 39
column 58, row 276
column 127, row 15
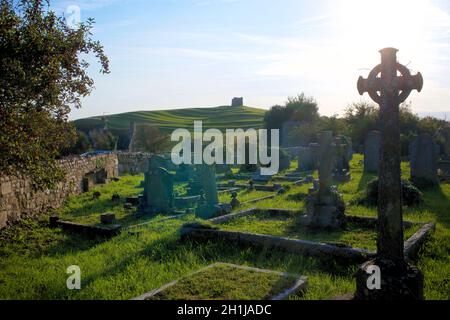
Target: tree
column 81, row 145
column 147, row 138
column 335, row 124
column 361, row 118
column 299, row 108
column 42, row 76
column 102, row 139
column 302, row 109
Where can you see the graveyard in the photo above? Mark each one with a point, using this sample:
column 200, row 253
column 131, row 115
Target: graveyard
column 149, row 252
column 343, row 195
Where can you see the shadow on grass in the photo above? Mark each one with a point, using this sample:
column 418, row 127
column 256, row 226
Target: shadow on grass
column 438, row 203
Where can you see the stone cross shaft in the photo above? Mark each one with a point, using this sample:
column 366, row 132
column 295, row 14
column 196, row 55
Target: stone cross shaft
column 389, row 84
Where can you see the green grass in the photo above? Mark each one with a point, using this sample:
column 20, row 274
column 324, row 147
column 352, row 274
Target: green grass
column 282, row 226
column 168, row 120
column 87, row 210
column 225, row 282
column 244, row 195
column 34, row 258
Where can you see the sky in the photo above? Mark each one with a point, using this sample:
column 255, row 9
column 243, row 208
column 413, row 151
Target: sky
column 168, row 54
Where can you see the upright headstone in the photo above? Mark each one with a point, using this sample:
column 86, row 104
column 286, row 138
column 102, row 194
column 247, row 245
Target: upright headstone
column 398, row 279
column 349, row 148
column 325, row 208
column 424, row 153
column 308, row 157
column 207, row 178
column 444, row 133
column 341, row 170
column 158, row 188
column 372, row 146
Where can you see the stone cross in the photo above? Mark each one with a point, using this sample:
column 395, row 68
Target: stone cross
column 388, row 89
column 389, row 84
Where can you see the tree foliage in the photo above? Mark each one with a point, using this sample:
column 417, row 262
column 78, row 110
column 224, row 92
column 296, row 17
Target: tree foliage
column 82, row 145
column 299, row 108
column 42, row 76
column 102, row 139
column 148, row 138
column 358, row 120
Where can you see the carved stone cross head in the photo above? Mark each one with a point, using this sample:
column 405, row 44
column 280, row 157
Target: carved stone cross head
column 384, row 81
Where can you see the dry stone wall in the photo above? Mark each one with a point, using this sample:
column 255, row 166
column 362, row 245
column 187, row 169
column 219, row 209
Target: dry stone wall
column 17, row 197
column 133, row 162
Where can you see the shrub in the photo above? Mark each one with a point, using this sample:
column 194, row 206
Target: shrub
column 411, row 195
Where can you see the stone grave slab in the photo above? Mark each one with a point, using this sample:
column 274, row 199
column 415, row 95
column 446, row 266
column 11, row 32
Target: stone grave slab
column 224, row 281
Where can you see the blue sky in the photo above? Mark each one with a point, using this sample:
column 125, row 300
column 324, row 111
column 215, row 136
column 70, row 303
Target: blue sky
column 169, row 54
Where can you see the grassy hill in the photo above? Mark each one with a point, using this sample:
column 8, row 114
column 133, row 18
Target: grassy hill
column 168, row 120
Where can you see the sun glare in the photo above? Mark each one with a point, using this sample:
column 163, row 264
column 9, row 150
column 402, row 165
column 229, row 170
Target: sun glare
column 369, row 25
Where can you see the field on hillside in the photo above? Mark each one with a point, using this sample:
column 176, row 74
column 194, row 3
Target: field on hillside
column 168, row 120
column 34, row 258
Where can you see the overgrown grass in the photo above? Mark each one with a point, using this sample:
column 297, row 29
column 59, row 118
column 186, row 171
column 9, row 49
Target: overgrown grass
column 34, row 258
column 352, row 235
column 225, row 282
column 86, row 209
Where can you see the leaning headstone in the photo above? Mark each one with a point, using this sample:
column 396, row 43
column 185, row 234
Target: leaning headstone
column 158, row 188
column 397, row 279
column 325, row 207
column 424, row 153
column 372, row 146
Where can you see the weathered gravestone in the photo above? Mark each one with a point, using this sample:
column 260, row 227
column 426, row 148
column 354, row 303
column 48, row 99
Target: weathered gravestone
column 349, row 144
column 208, row 206
column 397, row 279
column 325, row 208
column 308, row 157
column 158, row 188
column 444, row 134
column 341, row 170
column 184, row 172
column 424, row 153
column 372, row 145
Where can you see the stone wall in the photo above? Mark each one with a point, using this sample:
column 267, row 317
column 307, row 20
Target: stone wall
column 17, row 197
column 132, row 162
